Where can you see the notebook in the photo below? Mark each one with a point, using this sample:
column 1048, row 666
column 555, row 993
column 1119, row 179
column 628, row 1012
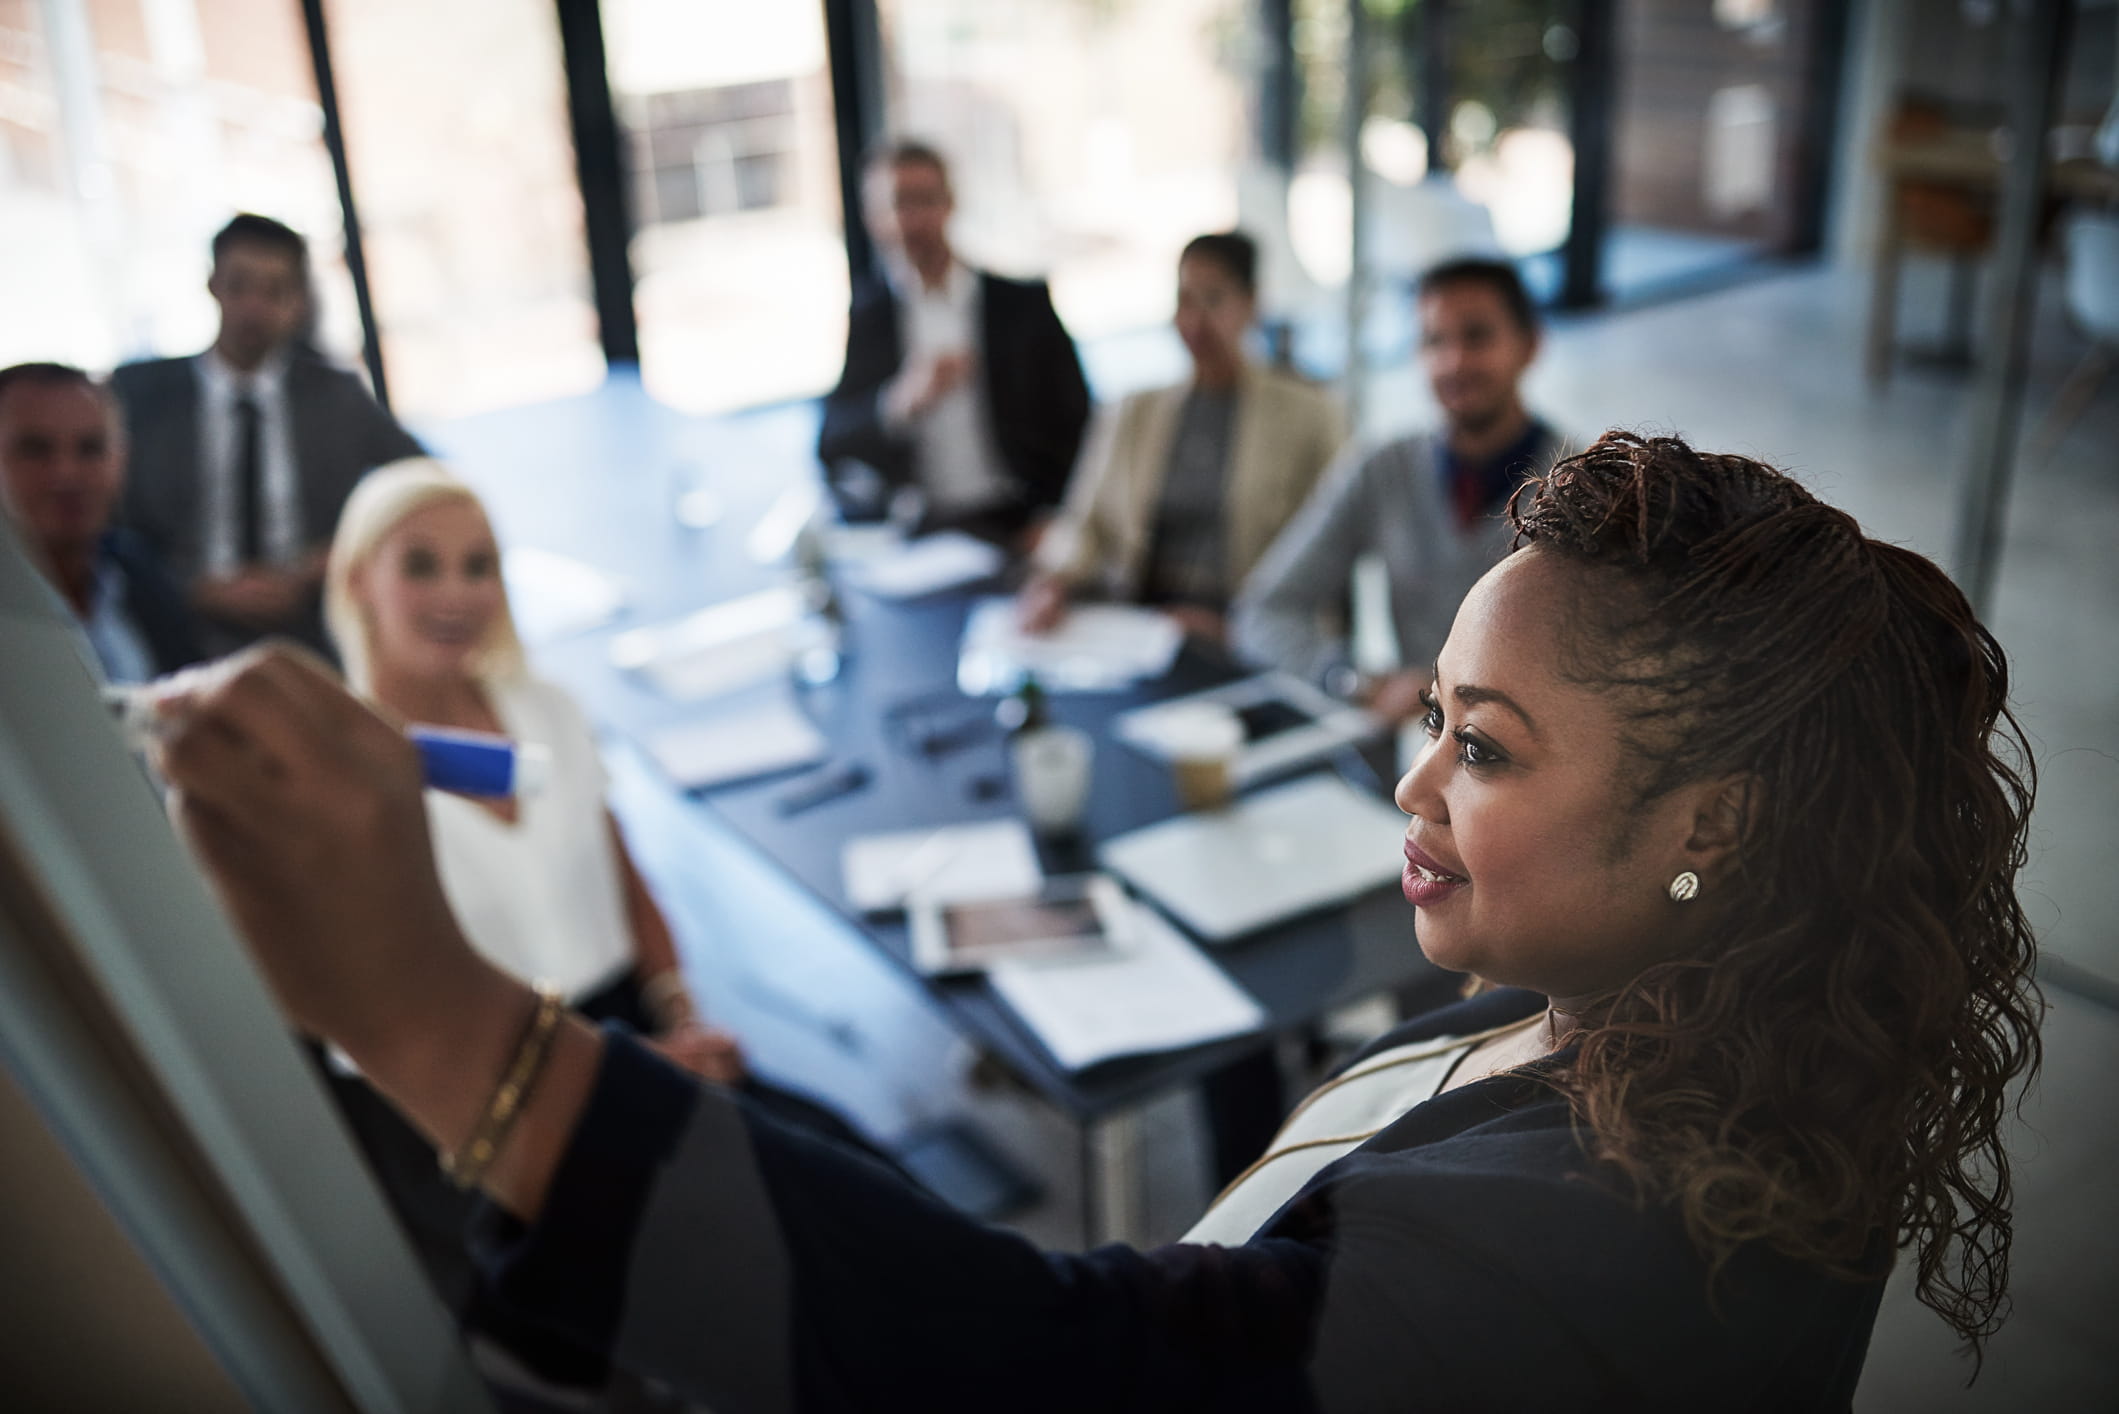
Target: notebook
column 1156, row 994
column 951, row 861
column 1096, row 648
column 718, row 650
column 929, row 565
column 736, row 746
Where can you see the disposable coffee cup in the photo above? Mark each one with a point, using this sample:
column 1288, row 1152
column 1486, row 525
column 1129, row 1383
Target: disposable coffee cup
column 1202, row 743
column 1052, row 773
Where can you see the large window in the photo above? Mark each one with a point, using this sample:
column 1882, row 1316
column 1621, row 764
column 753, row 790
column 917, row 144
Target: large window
column 737, row 256
column 1091, row 138
column 130, row 130
column 1504, row 120
column 456, row 132
column 1706, row 136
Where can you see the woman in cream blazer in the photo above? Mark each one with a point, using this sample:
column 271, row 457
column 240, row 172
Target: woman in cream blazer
column 1182, row 489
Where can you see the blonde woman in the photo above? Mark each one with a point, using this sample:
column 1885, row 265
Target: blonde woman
column 543, row 885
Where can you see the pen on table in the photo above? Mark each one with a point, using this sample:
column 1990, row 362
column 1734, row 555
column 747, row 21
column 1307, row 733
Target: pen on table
column 825, row 786
column 465, row 762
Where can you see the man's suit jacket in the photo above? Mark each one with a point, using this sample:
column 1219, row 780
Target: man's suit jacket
column 339, row 434
column 1037, row 402
column 156, row 604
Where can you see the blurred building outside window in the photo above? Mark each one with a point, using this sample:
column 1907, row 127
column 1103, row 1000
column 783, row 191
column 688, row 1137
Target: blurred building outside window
column 463, row 167
column 130, row 131
column 738, row 260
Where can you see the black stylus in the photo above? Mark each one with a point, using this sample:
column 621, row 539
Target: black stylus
column 826, row 785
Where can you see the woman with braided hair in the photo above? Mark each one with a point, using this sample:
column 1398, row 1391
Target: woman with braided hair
column 1723, row 808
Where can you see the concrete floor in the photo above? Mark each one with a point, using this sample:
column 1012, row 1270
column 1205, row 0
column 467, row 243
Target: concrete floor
column 1770, row 369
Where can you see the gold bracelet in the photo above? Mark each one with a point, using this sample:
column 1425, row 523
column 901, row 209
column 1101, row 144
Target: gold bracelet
column 468, row 1165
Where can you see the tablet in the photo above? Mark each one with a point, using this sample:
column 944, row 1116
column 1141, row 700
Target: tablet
column 1077, row 916
column 1286, row 723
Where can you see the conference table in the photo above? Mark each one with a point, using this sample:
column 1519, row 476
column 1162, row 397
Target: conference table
column 931, row 755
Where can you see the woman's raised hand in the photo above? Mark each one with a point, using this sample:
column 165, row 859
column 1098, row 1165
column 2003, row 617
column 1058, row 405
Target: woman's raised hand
column 305, row 808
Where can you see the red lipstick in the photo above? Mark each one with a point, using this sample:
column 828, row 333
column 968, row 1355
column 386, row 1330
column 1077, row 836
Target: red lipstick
column 1426, row 882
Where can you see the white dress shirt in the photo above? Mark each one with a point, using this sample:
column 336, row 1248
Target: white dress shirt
column 959, row 468
column 220, row 387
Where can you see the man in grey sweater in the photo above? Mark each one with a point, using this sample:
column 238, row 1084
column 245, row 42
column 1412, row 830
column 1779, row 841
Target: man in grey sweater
column 1429, row 504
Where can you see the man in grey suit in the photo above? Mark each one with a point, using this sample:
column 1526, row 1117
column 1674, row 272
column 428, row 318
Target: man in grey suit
column 242, row 456
column 1429, row 505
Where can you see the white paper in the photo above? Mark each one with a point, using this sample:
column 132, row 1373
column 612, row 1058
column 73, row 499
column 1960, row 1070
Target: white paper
column 1096, row 648
column 734, row 746
column 927, row 566
column 718, row 650
column 995, row 858
column 553, row 595
column 1158, row 994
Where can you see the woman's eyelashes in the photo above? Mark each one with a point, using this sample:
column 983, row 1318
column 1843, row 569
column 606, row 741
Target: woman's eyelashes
column 1472, row 748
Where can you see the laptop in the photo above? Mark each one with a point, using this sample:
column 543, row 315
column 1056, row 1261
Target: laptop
column 1274, row 855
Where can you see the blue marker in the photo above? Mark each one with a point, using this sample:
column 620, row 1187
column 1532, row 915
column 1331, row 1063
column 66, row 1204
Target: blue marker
column 467, row 763
column 479, row 763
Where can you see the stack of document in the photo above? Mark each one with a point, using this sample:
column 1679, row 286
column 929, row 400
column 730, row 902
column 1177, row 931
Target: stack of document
column 553, row 595
column 718, row 650
column 737, row 746
column 994, row 858
column 1158, row 993
column 928, row 565
column 1096, row 648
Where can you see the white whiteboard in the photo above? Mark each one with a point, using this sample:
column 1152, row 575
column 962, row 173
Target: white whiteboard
column 134, row 1022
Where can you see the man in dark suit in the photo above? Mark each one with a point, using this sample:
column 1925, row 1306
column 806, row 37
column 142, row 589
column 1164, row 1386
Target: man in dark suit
column 959, row 384
column 62, row 462
column 242, row 456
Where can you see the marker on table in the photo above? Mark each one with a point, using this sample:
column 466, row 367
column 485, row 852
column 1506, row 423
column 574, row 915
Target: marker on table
column 467, row 763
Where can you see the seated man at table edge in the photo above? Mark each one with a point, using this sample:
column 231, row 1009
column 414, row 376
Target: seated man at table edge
column 960, row 387
column 1668, row 1166
column 1183, row 488
column 1429, row 504
column 62, row 469
column 243, row 455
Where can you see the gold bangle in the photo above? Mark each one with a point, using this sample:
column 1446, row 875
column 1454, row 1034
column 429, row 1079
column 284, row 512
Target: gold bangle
column 468, row 1165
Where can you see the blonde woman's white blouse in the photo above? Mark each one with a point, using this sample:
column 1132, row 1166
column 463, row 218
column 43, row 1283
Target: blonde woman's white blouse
column 541, row 898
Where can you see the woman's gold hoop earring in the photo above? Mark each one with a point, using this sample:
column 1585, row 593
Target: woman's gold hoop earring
column 1685, row 887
